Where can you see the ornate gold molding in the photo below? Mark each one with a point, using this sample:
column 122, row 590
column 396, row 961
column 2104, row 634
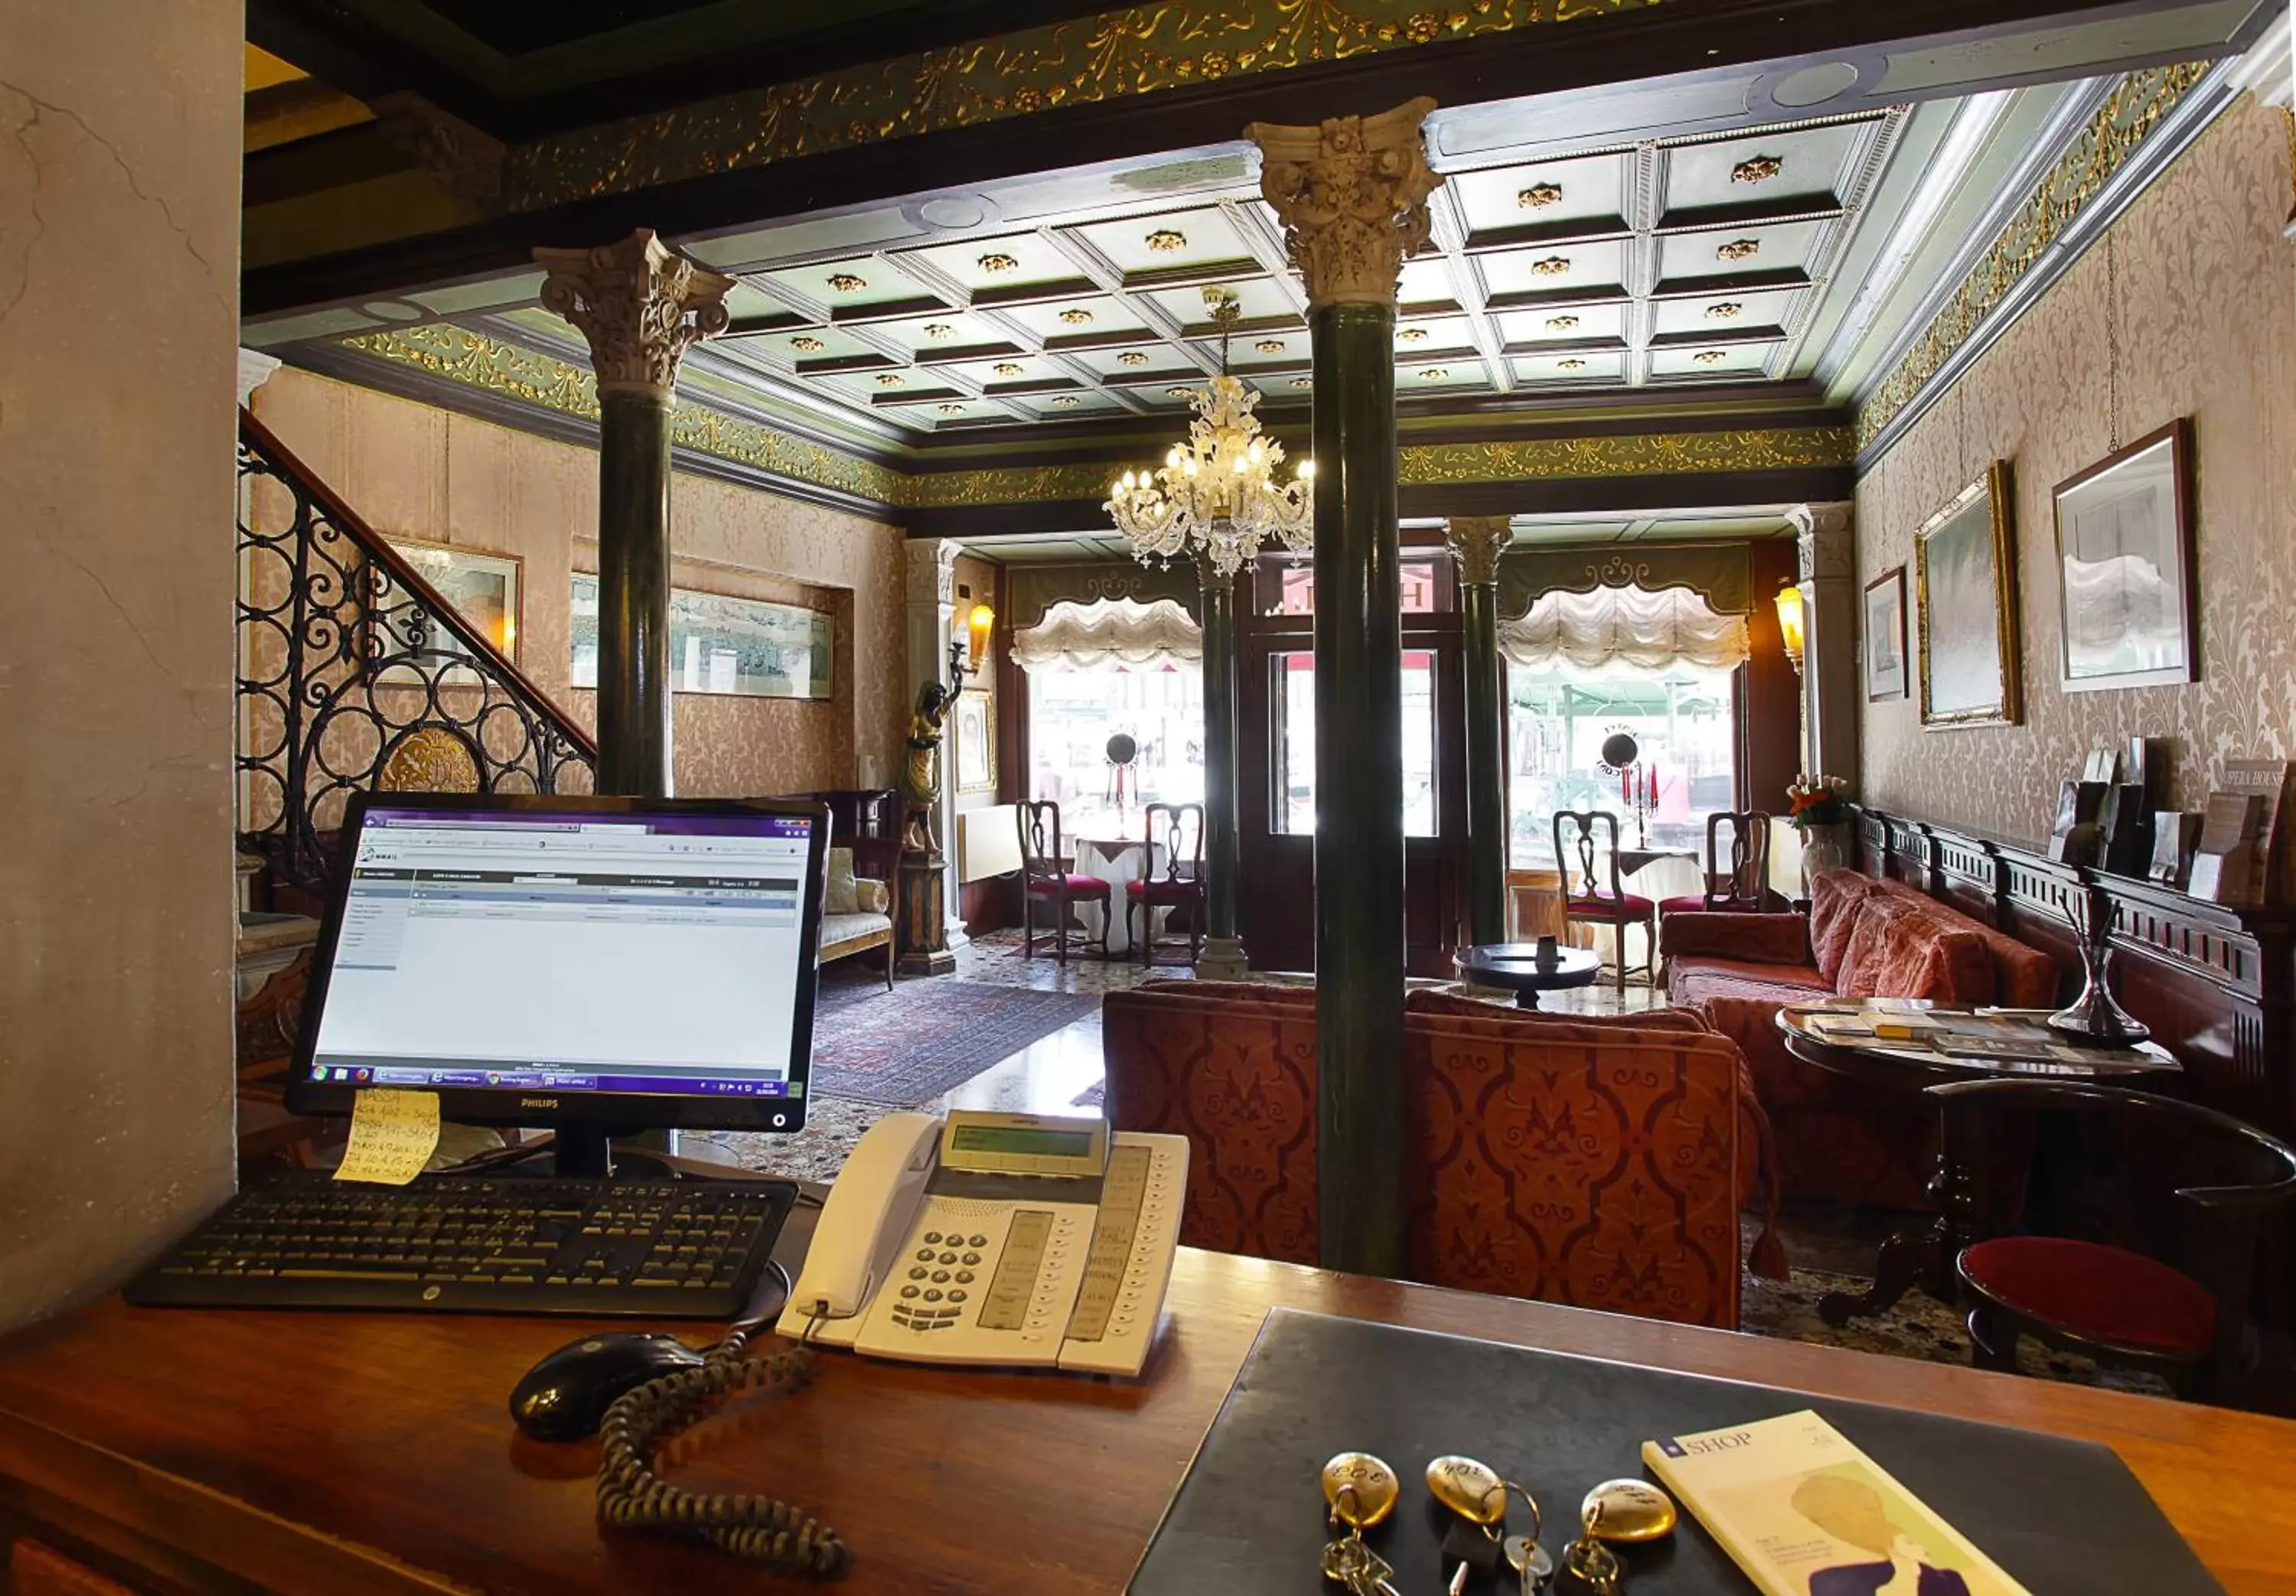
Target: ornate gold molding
column 641, row 305
column 2137, row 105
column 1351, row 193
column 1476, row 542
column 1640, row 454
column 1132, row 50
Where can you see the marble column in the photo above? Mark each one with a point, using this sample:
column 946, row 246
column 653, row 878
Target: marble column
column 927, row 926
column 1476, row 543
column 640, row 307
column 1833, row 692
column 1222, row 956
column 1352, row 196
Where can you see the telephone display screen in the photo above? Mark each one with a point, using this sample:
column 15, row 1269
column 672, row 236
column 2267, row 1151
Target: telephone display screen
column 1021, row 1141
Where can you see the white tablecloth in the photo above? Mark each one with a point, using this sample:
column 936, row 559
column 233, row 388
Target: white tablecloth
column 1672, row 875
column 1116, row 861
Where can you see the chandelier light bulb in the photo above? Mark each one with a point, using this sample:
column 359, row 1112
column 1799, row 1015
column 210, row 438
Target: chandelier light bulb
column 1306, row 471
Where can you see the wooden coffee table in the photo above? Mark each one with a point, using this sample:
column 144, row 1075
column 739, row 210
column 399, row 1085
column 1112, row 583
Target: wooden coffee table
column 1515, row 965
column 1922, row 1253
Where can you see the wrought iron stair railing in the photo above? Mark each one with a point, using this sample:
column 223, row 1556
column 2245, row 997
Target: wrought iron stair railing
column 354, row 673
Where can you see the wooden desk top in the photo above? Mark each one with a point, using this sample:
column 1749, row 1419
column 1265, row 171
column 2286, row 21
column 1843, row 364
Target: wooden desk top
column 373, row 1453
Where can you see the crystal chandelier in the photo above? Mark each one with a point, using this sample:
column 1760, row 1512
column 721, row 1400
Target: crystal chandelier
column 1215, row 492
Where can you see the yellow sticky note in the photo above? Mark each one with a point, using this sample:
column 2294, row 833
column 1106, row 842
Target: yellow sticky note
column 393, row 1135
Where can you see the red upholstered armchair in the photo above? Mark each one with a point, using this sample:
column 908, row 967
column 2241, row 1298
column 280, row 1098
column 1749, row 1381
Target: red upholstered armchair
column 1836, row 1140
column 1597, row 1164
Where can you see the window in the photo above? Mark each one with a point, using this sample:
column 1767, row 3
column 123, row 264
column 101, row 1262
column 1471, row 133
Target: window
column 1292, row 698
column 1290, row 589
column 1073, row 711
column 1683, row 719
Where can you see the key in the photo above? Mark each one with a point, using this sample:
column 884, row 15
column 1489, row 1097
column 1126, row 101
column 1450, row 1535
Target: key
column 1472, row 1547
column 1530, row 1563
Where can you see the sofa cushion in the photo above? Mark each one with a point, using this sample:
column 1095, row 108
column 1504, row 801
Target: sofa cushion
column 1694, row 982
column 871, row 896
column 839, row 929
column 2023, row 977
column 1902, row 949
column 1833, row 900
column 1605, row 903
column 842, row 897
column 1429, row 1000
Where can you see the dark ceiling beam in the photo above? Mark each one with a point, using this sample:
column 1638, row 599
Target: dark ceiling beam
column 1684, row 35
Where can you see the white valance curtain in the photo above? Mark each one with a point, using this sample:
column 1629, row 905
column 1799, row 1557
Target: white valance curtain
column 1632, row 627
column 1156, row 633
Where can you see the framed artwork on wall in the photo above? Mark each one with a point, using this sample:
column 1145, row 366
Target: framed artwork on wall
column 1885, row 637
column 2126, row 580
column 746, row 648
column 484, row 591
column 1965, row 598
column 976, row 743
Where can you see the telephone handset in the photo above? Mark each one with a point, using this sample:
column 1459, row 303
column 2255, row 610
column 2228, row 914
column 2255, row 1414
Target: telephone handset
column 996, row 1238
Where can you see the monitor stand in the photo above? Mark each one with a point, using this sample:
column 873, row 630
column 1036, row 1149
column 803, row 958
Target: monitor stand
column 587, row 1152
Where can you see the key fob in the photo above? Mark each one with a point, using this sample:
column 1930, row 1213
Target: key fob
column 1465, row 1542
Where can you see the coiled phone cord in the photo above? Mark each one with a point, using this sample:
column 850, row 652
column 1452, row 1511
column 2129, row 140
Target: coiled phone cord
column 763, row 1529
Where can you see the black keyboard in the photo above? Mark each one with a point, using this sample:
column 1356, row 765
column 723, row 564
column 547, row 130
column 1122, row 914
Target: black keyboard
column 480, row 1244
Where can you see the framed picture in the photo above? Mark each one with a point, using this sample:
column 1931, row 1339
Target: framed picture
column 1965, row 596
column 746, row 648
column 1885, row 637
column 976, row 743
column 2125, row 576
column 483, row 589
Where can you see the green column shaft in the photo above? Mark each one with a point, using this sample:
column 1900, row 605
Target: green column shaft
column 1486, row 816
column 1218, row 593
column 1358, row 794
column 634, row 705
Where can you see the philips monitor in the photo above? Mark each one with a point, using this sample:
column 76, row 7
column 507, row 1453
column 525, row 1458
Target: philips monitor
column 597, row 965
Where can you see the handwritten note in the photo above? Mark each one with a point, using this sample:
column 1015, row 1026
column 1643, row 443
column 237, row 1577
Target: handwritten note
column 393, row 1135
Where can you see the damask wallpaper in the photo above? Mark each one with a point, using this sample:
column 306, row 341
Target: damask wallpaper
column 2188, row 308
column 419, row 473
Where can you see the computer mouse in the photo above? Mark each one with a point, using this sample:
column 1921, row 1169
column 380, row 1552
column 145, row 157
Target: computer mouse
column 565, row 1396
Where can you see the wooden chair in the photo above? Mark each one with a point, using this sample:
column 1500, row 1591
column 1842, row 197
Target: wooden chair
column 1045, row 877
column 1738, row 880
column 1182, row 881
column 2115, row 1223
column 1590, row 883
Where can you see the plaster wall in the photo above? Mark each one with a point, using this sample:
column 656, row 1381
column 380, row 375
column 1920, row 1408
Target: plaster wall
column 2188, row 307
column 119, row 318
column 416, row 472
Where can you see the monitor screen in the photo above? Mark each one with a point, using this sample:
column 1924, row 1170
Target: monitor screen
column 561, row 953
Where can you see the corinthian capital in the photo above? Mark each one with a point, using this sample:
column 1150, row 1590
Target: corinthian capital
column 1477, row 542
column 1352, row 196
column 639, row 304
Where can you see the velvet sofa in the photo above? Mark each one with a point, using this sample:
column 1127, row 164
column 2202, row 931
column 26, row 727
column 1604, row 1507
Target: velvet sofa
column 1601, row 1164
column 1839, row 1141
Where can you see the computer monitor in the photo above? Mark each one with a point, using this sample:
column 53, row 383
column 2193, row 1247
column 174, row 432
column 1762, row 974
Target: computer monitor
column 595, row 965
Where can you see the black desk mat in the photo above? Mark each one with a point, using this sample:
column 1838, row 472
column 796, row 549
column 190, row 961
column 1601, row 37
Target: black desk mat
column 2063, row 1518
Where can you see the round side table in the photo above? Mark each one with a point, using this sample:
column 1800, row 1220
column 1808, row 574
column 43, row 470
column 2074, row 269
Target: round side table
column 1515, row 965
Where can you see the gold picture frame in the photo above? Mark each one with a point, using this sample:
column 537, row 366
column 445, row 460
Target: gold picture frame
column 485, row 588
column 1965, row 597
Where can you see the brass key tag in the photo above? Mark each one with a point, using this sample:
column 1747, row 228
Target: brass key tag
column 1623, row 1511
column 1360, row 1489
column 1472, row 1490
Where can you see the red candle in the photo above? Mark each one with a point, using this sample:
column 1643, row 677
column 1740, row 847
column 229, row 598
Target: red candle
column 1626, row 793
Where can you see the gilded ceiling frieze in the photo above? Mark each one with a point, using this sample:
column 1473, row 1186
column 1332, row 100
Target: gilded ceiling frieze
column 1132, row 50
column 476, row 361
column 1643, row 454
column 2137, row 105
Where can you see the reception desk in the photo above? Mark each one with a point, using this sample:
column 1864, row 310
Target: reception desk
column 347, row 1453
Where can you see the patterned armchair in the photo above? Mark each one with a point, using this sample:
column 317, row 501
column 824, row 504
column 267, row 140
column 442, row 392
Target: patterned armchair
column 1598, row 1164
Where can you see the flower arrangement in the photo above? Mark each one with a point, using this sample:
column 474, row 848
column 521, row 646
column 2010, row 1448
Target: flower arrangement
column 1819, row 800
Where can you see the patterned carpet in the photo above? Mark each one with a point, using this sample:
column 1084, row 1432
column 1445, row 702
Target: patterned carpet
column 903, row 1048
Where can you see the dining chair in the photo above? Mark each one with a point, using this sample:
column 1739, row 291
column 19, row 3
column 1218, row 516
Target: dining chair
column 1046, row 878
column 1181, row 881
column 2115, row 1223
column 1737, row 874
column 1591, row 892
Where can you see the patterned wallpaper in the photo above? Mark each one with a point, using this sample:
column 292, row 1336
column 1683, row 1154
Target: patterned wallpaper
column 428, row 474
column 2193, row 288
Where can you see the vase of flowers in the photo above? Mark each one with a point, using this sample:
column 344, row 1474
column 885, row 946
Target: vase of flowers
column 1819, row 809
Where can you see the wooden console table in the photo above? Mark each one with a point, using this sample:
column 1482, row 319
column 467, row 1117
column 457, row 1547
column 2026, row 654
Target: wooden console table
column 364, row 1453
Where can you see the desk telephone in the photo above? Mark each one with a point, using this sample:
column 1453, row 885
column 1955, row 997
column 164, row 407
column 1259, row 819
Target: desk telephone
column 996, row 1238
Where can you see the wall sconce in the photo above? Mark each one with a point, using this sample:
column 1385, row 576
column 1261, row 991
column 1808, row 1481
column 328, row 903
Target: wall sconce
column 1789, row 603
column 965, row 654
